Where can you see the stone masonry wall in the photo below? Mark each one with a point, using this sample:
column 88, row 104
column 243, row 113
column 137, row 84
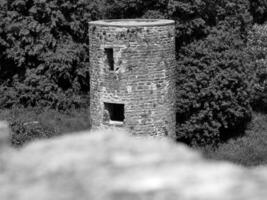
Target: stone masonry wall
column 143, row 78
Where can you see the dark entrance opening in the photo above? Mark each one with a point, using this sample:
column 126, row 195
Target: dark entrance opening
column 114, row 112
column 110, row 58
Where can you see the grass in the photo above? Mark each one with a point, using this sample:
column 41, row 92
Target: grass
column 35, row 123
column 248, row 150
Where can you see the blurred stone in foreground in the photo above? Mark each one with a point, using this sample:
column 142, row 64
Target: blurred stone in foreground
column 4, row 133
column 115, row 166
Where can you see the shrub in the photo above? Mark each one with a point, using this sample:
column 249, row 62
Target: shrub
column 249, row 150
column 25, row 126
column 23, row 132
column 214, row 87
column 35, row 123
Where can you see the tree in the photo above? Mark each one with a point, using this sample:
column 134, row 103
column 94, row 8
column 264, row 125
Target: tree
column 44, row 51
column 195, row 19
column 214, row 89
column 257, row 48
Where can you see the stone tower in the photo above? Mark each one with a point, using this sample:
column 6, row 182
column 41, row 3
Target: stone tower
column 132, row 75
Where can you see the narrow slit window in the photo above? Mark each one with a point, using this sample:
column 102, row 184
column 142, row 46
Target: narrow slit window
column 114, row 112
column 110, row 58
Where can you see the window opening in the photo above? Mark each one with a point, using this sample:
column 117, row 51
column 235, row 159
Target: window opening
column 114, row 112
column 110, row 58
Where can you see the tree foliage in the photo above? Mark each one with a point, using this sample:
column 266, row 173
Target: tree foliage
column 195, row 19
column 44, row 52
column 214, row 88
column 258, row 9
column 257, row 48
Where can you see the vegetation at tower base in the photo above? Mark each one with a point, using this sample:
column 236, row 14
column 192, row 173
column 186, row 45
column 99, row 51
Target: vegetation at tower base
column 214, row 88
column 30, row 124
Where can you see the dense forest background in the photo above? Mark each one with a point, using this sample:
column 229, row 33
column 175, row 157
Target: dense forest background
column 221, row 58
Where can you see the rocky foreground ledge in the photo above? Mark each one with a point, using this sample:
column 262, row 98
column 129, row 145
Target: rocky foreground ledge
column 110, row 165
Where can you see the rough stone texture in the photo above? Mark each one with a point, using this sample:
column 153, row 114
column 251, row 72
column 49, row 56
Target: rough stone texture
column 115, row 166
column 144, row 73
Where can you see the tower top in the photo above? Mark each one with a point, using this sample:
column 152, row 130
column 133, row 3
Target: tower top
column 132, row 22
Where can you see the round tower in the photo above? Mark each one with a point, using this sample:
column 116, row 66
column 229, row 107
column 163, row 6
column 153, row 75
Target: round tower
column 132, row 75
